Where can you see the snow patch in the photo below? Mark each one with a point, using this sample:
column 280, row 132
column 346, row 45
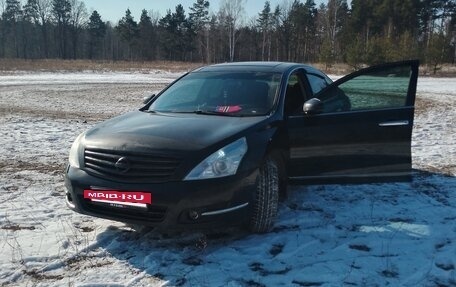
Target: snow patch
column 398, row 234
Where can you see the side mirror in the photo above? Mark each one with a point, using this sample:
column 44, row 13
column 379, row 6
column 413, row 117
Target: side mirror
column 147, row 99
column 313, row 106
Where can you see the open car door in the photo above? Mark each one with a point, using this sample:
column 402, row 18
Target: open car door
column 359, row 127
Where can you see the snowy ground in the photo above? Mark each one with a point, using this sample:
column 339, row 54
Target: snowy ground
column 400, row 234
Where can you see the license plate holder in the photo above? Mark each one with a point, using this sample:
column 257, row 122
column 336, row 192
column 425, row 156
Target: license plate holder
column 119, row 199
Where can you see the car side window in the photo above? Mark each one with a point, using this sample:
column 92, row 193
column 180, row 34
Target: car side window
column 317, row 83
column 294, row 95
column 377, row 90
column 387, row 88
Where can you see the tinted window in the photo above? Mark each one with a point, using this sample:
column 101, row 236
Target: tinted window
column 386, row 89
column 375, row 90
column 317, row 83
column 234, row 93
column 184, row 93
column 294, row 96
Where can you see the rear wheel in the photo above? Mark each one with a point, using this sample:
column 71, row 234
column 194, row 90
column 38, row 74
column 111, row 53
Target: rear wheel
column 266, row 199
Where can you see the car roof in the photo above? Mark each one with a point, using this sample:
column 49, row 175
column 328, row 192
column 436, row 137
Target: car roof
column 280, row 67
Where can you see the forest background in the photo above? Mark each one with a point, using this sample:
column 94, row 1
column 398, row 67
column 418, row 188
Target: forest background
column 361, row 32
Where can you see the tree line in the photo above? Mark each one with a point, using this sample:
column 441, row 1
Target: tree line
column 365, row 32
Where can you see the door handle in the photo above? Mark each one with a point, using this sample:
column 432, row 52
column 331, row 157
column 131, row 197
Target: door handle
column 394, row 123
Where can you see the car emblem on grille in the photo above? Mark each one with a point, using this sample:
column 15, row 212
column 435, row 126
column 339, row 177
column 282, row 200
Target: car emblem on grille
column 123, row 165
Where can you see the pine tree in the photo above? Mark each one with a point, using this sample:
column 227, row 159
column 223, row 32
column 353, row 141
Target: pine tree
column 372, row 31
column 97, row 30
column 264, row 23
column 128, row 31
column 199, row 15
column 31, row 12
column 166, row 34
column 178, row 34
column 145, row 35
column 30, row 31
column 299, row 16
column 275, row 22
column 199, row 21
column 354, row 55
column 11, row 17
column 310, row 29
column 12, row 11
column 184, row 32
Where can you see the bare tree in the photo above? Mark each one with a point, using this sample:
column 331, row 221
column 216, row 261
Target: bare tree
column 232, row 14
column 2, row 28
column 332, row 21
column 2, row 6
column 44, row 12
column 78, row 19
column 154, row 17
column 61, row 11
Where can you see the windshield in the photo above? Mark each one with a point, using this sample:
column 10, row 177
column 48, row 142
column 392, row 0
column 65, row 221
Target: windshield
column 220, row 93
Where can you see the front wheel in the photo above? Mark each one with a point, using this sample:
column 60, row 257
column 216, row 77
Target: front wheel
column 266, row 199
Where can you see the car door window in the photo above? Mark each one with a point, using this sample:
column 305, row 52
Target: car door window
column 294, row 96
column 385, row 88
column 317, row 83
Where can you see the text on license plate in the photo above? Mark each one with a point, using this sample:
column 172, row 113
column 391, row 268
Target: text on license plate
column 118, row 196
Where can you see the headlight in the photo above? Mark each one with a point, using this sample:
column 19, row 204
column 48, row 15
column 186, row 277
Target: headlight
column 74, row 152
column 223, row 162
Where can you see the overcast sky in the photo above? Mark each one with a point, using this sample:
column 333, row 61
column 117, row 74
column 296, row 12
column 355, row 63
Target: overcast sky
column 113, row 10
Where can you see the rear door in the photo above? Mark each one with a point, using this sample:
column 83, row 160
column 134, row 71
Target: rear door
column 364, row 130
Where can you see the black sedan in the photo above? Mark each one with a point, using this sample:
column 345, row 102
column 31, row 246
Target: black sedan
column 219, row 145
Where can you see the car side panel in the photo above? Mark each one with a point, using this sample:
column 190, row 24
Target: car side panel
column 351, row 144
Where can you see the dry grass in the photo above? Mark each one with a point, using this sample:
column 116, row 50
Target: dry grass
column 334, row 69
column 8, row 65
column 16, row 227
column 51, row 65
column 445, row 70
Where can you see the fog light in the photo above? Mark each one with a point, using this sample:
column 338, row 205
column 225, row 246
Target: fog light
column 193, row 215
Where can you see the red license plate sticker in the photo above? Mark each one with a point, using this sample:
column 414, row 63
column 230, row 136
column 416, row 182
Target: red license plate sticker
column 118, row 196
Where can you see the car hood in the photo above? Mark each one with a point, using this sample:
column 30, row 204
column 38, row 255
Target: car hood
column 149, row 132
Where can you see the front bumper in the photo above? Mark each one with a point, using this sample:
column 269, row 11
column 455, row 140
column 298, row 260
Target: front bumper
column 203, row 203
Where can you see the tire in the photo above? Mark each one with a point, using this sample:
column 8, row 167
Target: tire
column 266, row 198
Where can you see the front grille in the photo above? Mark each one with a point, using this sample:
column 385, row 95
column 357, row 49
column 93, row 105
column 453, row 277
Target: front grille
column 128, row 166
